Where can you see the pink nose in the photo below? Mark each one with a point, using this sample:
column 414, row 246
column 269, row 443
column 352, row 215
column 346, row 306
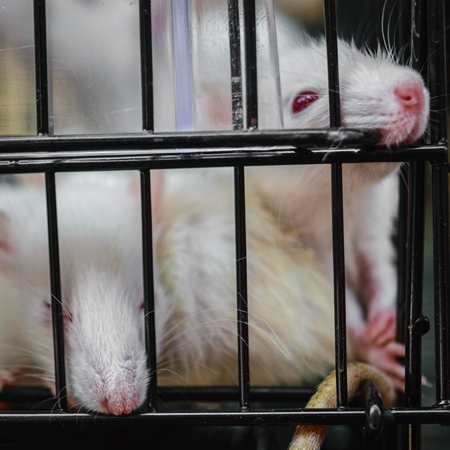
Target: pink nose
column 410, row 94
column 120, row 405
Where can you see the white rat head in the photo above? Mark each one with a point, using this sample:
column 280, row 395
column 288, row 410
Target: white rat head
column 375, row 92
column 102, row 293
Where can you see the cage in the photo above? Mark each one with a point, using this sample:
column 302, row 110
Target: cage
column 172, row 133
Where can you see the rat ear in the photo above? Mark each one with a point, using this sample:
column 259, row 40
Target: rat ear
column 157, row 183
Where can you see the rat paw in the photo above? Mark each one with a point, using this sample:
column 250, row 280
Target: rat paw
column 375, row 344
column 381, row 327
column 385, row 358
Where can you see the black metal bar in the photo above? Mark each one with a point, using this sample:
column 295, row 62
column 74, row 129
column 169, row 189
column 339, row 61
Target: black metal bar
column 239, row 178
column 438, row 133
column 86, row 161
column 437, row 64
column 241, row 287
column 235, row 65
column 337, row 208
column 229, row 139
column 42, row 121
column 429, row 415
column 339, row 284
column 415, row 245
column 332, row 63
column 414, row 295
column 441, row 280
column 40, row 45
column 149, row 292
column 145, row 28
column 56, row 298
column 251, row 78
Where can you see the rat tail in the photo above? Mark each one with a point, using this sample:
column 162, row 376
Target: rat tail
column 310, row 437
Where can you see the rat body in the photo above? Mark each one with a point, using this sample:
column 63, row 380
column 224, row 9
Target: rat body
column 196, row 264
column 375, row 93
column 101, row 279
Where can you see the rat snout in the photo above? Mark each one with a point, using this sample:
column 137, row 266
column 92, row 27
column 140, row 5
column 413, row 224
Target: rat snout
column 122, row 395
column 404, row 116
column 120, row 402
column 410, row 94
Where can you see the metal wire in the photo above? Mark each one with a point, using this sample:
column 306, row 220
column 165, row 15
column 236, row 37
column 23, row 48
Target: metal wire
column 145, row 28
column 149, row 292
column 337, row 208
column 42, row 121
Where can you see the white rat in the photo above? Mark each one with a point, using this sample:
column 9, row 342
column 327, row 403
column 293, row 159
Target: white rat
column 375, row 93
column 288, row 295
column 197, row 237
column 102, row 294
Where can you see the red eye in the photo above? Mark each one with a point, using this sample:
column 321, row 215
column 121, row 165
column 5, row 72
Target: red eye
column 302, row 100
column 65, row 313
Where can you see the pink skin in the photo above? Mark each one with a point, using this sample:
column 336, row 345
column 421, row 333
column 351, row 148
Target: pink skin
column 375, row 343
column 411, row 99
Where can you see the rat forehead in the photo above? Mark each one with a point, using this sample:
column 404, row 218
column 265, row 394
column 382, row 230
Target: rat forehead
column 305, row 66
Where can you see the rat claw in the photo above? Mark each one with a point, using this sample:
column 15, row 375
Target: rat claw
column 396, row 349
column 381, row 328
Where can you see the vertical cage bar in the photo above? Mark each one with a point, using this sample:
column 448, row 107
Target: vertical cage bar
column 332, row 63
column 438, row 133
column 251, row 79
column 149, row 292
column 441, row 280
column 55, row 286
column 42, row 121
column 235, row 65
column 239, row 179
column 337, row 208
column 415, row 246
column 40, row 51
column 414, row 290
column 437, row 70
column 145, row 29
column 241, row 285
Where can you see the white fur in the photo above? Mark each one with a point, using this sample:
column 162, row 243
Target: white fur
column 197, row 265
column 300, row 195
column 101, row 279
